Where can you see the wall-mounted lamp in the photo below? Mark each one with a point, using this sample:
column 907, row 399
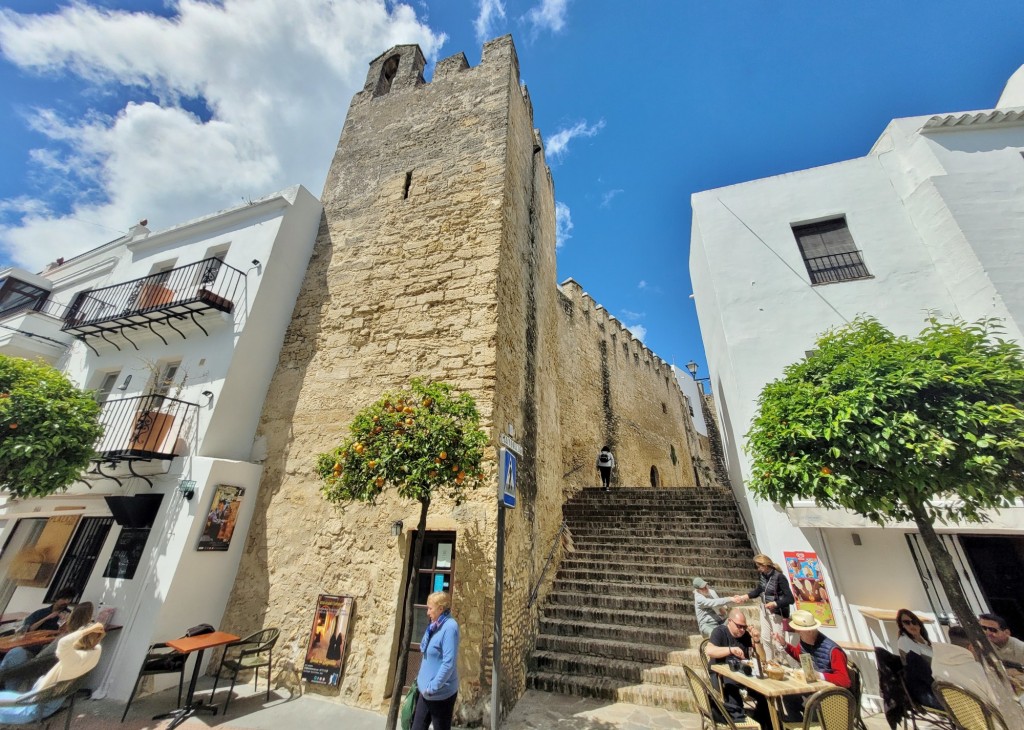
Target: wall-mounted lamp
column 256, row 262
column 396, row 528
column 207, row 393
column 693, row 367
column 124, row 385
column 187, row 487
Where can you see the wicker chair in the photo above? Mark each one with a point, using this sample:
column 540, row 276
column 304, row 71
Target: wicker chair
column 967, row 710
column 705, row 662
column 831, row 709
column 857, row 690
column 252, row 652
column 706, row 701
column 58, row 694
column 935, row 716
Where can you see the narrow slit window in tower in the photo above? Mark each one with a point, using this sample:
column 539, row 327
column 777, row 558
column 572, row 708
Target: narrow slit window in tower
column 408, row 183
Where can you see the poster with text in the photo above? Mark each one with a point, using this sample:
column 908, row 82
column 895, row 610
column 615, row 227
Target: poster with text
column 325, row 655
column 220, row 520
column 808, row 582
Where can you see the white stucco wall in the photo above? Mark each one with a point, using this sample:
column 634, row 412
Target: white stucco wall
column 938, row 214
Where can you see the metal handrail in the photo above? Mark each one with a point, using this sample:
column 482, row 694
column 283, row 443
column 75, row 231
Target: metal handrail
column 142, row 427
column 46, row 306
column 209, row 279
column 544, row 570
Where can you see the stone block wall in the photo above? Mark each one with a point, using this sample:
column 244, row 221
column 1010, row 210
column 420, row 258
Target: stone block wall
column 615, row 391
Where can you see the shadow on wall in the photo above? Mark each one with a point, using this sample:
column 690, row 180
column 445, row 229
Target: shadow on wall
column 250, row 598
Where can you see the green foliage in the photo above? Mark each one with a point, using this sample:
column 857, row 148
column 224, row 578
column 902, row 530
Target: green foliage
column 47, row 428
column 886, row 426
column 419, row 441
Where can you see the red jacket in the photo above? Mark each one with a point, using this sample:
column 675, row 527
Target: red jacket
column 829, row 659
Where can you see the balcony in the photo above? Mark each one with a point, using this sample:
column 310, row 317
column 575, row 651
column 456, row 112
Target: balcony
column 166, row 299
column 837, row 267
column 34, row 330
column 143, row 428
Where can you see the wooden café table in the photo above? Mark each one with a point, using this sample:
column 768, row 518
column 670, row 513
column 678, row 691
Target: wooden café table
column 186, row 645
column 773, row 689
column 30, row 640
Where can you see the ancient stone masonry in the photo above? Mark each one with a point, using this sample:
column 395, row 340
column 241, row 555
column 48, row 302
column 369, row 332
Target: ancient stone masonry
column 436, row 257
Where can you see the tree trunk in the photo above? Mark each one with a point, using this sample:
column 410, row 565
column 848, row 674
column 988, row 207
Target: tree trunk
column 1007, row 702
column 397, row 695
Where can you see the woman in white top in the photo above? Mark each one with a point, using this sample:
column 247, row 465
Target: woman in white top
column 913, row 636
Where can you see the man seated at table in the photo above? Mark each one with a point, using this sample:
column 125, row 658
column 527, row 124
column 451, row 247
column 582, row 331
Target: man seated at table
column 732, row 640
column 1008, row 648
column 22, row 666
column 708, row 607
column 827, row 656
column 47, row 618
column 957, row 664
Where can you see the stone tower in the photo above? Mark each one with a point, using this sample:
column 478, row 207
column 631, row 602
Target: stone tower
column 435, row 257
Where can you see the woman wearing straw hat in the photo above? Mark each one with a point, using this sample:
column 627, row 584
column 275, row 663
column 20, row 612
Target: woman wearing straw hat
column 776, row 597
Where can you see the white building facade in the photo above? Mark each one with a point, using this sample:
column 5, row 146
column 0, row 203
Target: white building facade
column 931, row 219
column 179, row 333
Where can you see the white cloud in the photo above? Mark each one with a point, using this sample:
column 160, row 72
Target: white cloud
column 563, row 224
column 491, row 11
column 630, row 314
column 642, row 284
column 276, row 106
column 549, row 14
column 639, row 331
column 558, row 144
column 606, row 199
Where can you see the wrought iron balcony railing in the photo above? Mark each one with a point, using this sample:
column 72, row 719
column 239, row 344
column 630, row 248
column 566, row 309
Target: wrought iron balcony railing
column 143, row 427
column 837, row 267
column 166, row 297
column 47, row 307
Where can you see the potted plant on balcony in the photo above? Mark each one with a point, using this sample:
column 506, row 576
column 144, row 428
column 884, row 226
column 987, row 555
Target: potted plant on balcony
column 154, row 294
column 154, row 422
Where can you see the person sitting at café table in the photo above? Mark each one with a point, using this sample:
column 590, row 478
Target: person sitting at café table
column 47, row 618
column 77, row 654
column 21, row 666
column 708, row 607
column 915, row 649
column 1009, row 649
column 957, row 663
column 827, row 656
column 731, row 641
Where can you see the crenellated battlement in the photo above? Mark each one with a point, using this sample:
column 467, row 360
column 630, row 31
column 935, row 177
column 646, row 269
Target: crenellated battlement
column 401, row 68
column 594, row 313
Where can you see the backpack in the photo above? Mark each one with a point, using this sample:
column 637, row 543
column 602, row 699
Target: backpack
column 604, row 458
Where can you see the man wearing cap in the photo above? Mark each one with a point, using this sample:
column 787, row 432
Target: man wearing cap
column 708, row 607
column 828, row 657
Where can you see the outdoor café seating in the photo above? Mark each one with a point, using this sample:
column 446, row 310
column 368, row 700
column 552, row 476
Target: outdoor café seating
column 707, row 702
column 968, row 710
column 41, row 708
column 252, row 652
column 160, row 659
column 830, row 709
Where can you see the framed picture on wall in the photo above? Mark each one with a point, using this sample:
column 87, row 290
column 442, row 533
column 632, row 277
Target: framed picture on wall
column 220, row 518
column 328, row 640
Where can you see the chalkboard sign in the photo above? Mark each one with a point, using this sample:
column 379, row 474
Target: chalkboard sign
column 128, row 549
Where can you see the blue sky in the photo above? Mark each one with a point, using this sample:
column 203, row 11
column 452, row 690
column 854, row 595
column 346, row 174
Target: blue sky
column 118, row 110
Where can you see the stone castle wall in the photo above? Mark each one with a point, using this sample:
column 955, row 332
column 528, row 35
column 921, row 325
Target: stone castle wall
column 614, row 391
column 436, row 257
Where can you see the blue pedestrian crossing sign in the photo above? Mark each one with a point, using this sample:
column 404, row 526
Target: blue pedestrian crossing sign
column 509, row 472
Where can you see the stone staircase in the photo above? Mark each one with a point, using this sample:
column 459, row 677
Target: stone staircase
column 618, row 623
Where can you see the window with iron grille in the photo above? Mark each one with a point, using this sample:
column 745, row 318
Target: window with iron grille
column 829, row 252
column 81, row 555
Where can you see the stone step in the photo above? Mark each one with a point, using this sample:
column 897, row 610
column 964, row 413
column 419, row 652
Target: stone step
column 623, row 588
column 689, row 567
column 636, row 634
column 627, row 602
column 554, row 662
column 654, row 578
column 670, row 698
column 726, row 551
column 642, row 619
column 611, row 649
column 667, row 676
column 640, row 532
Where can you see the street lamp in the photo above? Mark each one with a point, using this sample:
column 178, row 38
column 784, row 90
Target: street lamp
column 396, row 528
column 692, row 367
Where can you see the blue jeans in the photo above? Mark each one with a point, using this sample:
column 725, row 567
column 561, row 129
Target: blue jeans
column 25, row 714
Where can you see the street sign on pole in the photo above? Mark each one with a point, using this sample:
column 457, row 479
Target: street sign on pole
column 509, row 472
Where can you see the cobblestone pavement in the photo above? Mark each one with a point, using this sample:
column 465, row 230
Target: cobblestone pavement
column 248, row 711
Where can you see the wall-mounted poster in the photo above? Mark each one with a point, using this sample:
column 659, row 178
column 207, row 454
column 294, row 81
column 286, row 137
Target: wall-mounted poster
column 325, row 655
column 808, row 581
column 220, row 520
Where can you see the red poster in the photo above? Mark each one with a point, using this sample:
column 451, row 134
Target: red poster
column 807, row 578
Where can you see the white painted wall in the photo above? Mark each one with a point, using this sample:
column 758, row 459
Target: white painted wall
column 939, row 215
column 175, row 586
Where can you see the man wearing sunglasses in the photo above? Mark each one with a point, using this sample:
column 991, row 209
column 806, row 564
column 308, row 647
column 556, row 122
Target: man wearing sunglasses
column 1008, row 648
column 731, row 640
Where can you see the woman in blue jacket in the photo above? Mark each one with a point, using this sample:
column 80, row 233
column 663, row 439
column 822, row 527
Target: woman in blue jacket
column 438, row 678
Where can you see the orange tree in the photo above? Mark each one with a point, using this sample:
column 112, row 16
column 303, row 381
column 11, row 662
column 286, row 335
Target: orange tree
column 902, row 429
column 421, row 441
column 47, row 428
